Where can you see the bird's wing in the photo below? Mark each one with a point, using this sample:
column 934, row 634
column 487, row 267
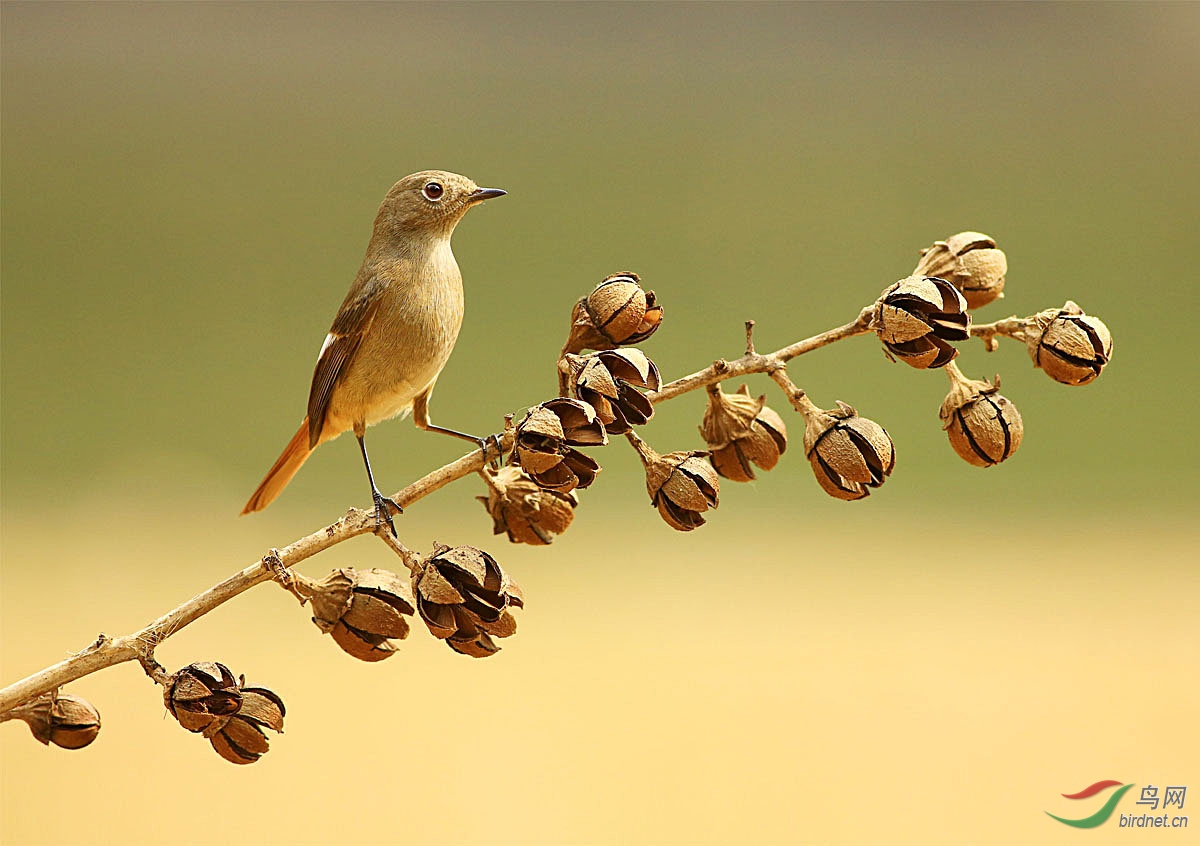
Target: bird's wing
column 349, row 327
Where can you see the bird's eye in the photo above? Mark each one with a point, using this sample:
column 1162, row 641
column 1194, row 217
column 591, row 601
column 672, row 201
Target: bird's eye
column 433, row 191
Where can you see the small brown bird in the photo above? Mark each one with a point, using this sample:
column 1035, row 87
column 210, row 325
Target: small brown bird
column 394, row 331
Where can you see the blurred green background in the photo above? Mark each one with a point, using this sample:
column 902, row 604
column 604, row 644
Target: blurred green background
column 187, row 192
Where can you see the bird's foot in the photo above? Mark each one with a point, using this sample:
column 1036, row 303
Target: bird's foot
column 383, row 511
column 493, row 452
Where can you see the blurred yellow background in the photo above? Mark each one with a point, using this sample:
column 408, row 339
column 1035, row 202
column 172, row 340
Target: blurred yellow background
column 187, row 191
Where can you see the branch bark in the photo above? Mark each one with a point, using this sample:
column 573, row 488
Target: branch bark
column 139, row 646
column 752, row 362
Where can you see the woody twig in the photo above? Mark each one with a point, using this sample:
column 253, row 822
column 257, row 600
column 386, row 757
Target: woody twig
column 606, row 387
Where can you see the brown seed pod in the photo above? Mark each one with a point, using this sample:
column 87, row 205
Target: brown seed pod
column 984, row 428
column 201, row 693
column 849, row 454
column 241, row 739
column 69, row 722
column 206, row 698
column 523, row 509
column 971, row 262
column 465, row 598
column 363, row 610
column 616, row 313
column 1072, row 348
column 917, row 317
column 741, row 431
column 545, row 441
column 681, row 485
column 609, row 382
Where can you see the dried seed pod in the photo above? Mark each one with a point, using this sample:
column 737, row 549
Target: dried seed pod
column 1073, row 347
column 69, row 722
column 545, row 441
column 526, row 511
column 617, row 312
column 849, row 454
column 917, row 317
column 984, row 427
column 201, row 693
column 240, row 738
column 971, row 262
column 465, row 598
column 573, row 470
column 681, row 485
column 609, row 382
column 741, row 431
column 206, row 698
column 363, row 610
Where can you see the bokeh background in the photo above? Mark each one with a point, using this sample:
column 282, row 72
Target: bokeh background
column 187, row 191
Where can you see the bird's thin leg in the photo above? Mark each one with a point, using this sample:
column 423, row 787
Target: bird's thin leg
column 489, row 445
column 422, row 421
column 429, row 427
column 382, row 503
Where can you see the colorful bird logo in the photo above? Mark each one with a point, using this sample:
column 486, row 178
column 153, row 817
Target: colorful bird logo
column 1104, row 813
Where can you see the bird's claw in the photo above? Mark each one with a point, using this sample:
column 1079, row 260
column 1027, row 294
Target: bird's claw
column 383, row 511
column 488, row 444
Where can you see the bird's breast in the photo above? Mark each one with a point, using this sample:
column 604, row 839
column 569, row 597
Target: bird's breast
column 410, row 338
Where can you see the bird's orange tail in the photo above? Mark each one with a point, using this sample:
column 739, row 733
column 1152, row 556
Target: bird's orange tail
column 281, row 472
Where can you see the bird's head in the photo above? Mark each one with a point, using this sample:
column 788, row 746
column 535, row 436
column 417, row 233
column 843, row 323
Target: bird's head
column 430, row 202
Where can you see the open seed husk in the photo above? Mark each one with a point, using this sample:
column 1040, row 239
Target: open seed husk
column 971, row 262
column 546, row 439
column 610, row 381
column 1073, row 348
column 525, row 511
column 363, row 610
column 206, row 698
column 918, row 317
column 682, row 485
column 984, row 427
column 849, row 454
column 61, row 719
column 742, row 431
column 466, row 599
column 616, row 313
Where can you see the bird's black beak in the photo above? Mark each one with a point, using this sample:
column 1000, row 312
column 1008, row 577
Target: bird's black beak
column 481, row 194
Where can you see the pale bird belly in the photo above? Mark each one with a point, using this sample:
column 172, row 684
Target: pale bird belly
column 396, row 403
column 401, row 355
column 379, row 390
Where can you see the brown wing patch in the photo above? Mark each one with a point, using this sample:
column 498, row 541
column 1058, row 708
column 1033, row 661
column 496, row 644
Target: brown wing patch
column 352, row 322
column 329, row 367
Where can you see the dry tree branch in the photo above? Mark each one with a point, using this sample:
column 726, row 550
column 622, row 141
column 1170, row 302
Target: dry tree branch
column 139, row 646
column 464, row 596
column 752, row 362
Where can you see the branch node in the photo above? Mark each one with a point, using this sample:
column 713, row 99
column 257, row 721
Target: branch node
column 988, row 336
column 750, row 338
column 156, row 671
column 281, row 574
column 865, row 317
